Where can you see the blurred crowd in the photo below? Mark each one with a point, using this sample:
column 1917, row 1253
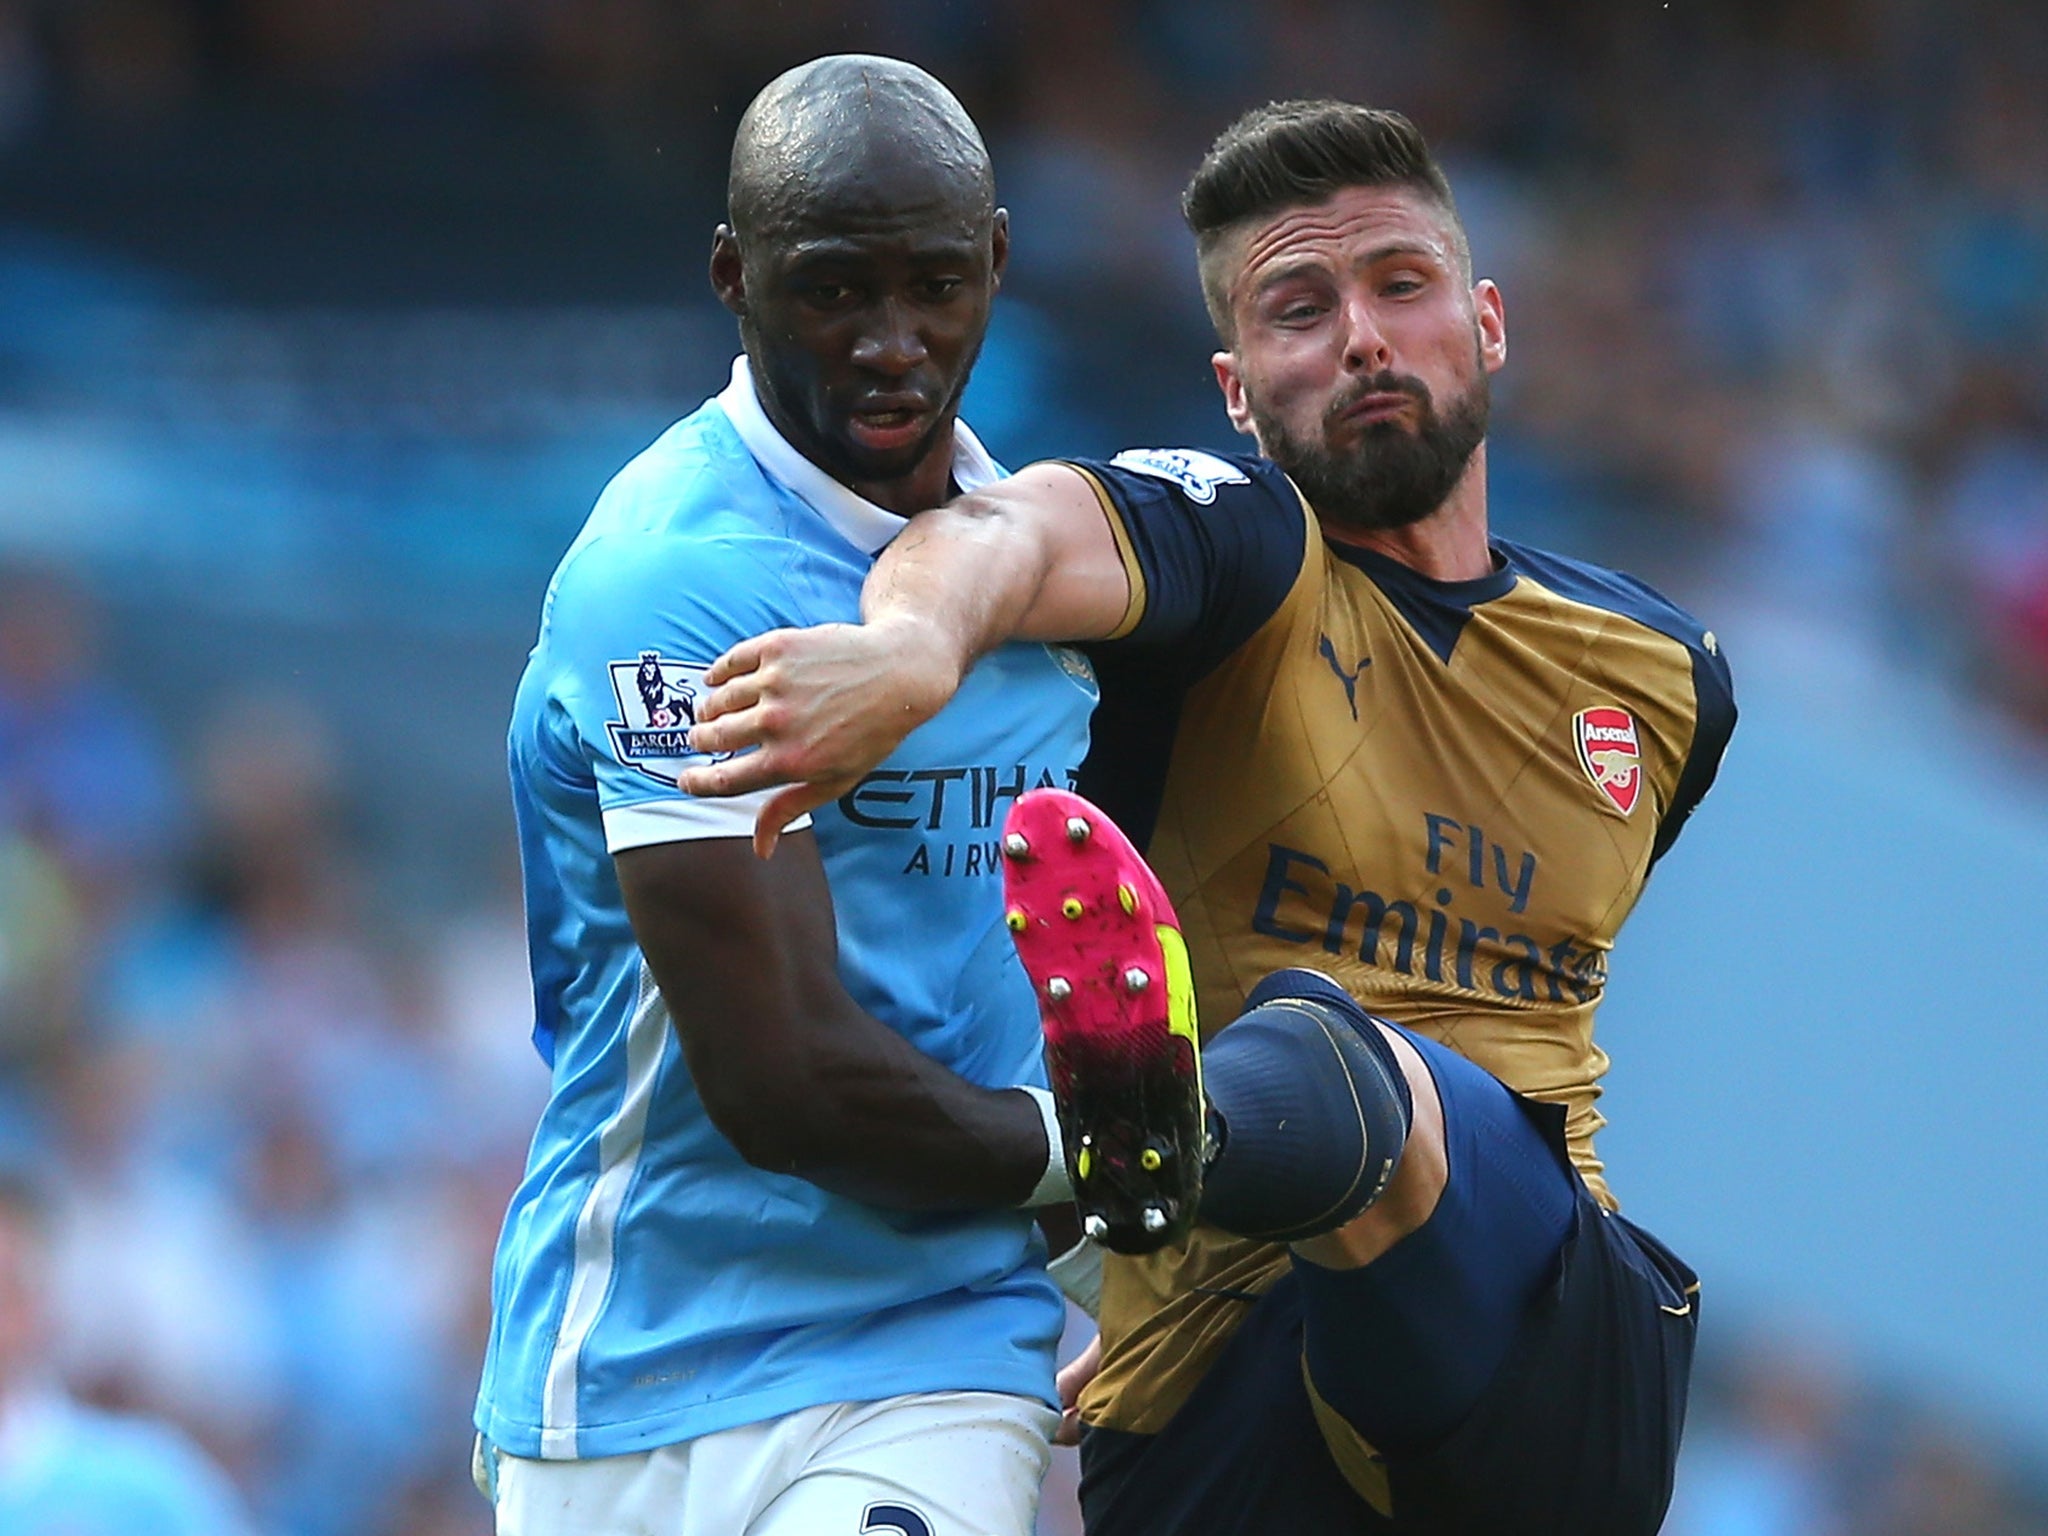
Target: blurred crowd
column 1785, row 1442
column 1777, row 282
column 1777, row 273
column 276, row 1126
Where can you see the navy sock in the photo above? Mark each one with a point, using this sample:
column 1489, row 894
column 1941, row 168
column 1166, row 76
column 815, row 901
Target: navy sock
column 1309, row 1107
column 1404, row 1346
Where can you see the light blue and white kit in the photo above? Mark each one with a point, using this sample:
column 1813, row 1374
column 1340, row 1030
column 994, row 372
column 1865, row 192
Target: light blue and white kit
column 650, row 1286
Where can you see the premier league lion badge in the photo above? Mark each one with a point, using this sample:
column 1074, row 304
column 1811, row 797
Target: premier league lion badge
column 657, row 706
column 1194, row 471
column 1610, row 754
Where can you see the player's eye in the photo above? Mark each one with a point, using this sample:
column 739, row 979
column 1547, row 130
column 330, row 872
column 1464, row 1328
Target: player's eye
column 937, row 290
column 1400, row 287
column 827, row 295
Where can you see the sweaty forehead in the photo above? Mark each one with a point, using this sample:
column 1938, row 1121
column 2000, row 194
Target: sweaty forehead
column 1343, row 229
column 876, row 194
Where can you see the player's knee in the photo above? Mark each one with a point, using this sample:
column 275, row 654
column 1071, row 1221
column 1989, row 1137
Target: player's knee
column 1313, row 1108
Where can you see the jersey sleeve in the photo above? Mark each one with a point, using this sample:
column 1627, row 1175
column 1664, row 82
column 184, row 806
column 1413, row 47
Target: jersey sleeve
column 1213, row 544
column 1713, row 689
column 631, row 630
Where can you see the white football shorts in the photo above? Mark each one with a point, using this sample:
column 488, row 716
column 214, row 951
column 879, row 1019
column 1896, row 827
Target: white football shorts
column 930, row 1464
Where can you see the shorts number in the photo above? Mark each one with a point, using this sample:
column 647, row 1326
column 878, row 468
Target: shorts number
column 899, row 1518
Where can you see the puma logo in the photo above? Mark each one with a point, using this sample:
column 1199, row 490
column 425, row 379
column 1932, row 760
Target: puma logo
column 1348, row 679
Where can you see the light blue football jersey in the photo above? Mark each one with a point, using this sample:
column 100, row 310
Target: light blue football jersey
column 650, row 1285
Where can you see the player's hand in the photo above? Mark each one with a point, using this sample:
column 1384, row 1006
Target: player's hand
column 814, row 710
column 1073, row 1377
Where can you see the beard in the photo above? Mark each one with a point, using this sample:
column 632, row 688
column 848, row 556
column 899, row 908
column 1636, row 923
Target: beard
column 1394, row 476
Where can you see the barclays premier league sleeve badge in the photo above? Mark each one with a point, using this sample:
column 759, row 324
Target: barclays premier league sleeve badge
column 657, row 706
column 1198, row 474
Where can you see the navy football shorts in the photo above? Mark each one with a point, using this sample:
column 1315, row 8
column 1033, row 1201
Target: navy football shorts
column 1575, row 1435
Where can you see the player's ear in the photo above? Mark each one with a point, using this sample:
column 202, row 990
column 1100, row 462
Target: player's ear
column 728, row 272
column 1490, row 314
column 1231, row 382
column 999, row 247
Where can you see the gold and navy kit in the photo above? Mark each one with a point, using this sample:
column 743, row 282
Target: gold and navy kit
column 1445, row 795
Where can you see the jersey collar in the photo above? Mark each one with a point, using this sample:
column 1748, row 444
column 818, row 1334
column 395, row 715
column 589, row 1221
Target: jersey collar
column 1467, row 594
column 1438, row 611
column 856, row 519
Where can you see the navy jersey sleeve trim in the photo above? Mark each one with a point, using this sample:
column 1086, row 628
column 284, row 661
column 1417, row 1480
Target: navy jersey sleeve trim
column 1134, row 568
column 1712, row 685
column 1215, row 543
column 1714, row 723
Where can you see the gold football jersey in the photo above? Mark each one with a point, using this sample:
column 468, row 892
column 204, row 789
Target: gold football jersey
column 1445, row 795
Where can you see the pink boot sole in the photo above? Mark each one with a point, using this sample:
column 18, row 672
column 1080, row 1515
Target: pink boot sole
column 1099, row 940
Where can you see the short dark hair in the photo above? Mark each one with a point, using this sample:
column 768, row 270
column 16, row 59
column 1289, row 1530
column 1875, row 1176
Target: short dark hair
column 1288, row 154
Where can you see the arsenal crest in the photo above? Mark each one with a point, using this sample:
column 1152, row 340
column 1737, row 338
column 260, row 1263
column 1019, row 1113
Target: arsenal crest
column 1608, row 751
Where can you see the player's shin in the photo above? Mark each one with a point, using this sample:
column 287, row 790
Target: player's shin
column 1309, row 1111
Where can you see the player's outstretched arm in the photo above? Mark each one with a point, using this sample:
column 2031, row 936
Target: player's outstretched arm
column 798, row 1077
column 1030, row 558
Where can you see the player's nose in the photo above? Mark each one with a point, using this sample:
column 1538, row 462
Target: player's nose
column 1365, row 345
column 893, row 342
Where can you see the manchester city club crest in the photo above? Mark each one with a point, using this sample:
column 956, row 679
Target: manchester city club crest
column 1610, row 754
column 657, row 706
